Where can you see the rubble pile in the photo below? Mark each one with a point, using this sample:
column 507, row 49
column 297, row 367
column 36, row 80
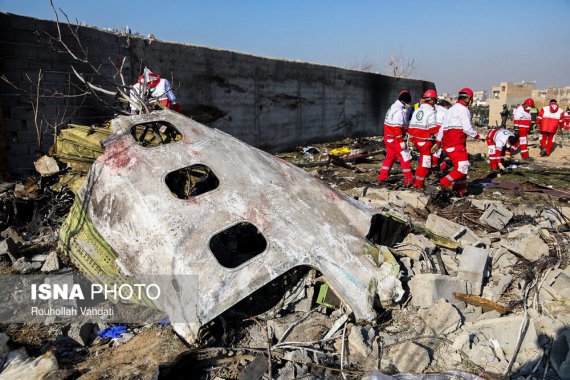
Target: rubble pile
column 465, row 310
column 485, row 283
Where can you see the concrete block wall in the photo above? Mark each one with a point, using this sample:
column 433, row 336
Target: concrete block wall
column 269, row 103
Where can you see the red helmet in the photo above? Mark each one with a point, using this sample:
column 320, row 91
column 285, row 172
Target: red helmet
column 429, row 94
column 529, row 102
column 466, row 91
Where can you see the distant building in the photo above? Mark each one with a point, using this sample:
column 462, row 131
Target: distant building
column 507, row 93
column 561, row 94
column 446, row 96
column 480, row 97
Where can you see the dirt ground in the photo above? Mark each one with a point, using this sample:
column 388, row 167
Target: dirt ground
column 560, row 155
column 552, row 171
column 138, row 358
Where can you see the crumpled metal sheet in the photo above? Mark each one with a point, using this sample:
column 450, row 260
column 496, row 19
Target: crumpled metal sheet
column 305, row 222
column 78, row 145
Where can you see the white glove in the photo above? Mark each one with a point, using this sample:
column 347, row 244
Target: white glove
column 501, row 166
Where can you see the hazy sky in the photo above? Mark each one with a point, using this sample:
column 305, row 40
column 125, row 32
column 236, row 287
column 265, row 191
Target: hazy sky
column 453, row 43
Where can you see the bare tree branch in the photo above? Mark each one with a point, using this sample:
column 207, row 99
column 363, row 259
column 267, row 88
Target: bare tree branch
column 363, row 65
column 10, row 83
column 399, row 69
column 36, row 108
column 91, row 85
column 95, row 89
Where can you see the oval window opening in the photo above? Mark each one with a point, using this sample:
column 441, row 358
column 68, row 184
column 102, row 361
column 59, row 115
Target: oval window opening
column 191, row 181
column 237, row 244
column 150, row 135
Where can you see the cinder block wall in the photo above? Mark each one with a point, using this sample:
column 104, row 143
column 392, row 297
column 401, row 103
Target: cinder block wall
column 269, row 103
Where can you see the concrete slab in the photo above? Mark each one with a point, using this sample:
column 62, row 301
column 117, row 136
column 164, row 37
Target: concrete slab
column 403, row 198
column 496, row 216
column 452, row 230
column 472, row 264
column 562, row 285
column 46, row 166
column 526, row 242
column 410, row 357
column 428, row 288
column 441, row 318
column 492, row 342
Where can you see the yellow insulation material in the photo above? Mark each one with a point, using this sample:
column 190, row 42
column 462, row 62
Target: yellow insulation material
column 90, row 253
column 79, row 145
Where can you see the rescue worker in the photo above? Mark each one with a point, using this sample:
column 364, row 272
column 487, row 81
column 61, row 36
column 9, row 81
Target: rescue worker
column 150, row 89
column 440, row 110
column 422, row 131
column 395, row 125
column 566, row 124
column 504, row 116
column 522, row 120
column 500, row 143
column 549, row 119
column 452, row 137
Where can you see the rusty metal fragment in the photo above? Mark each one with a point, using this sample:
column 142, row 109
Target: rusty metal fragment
column 485, row 304
column 207, row 204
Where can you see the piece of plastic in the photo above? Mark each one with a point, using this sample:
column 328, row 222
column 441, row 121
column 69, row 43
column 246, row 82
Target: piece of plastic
column 310, row 150
column 340, row 151
column 113, row 332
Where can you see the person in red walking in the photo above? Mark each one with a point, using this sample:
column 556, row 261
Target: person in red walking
column 395, row 125
column 522, row 120
column 549, row 119
column 440, row 110
column 422, row 131
column 500, row 143
column 452, row 137
column 566, row 124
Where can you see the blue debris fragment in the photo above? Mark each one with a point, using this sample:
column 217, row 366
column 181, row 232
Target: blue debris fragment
column 113, row 332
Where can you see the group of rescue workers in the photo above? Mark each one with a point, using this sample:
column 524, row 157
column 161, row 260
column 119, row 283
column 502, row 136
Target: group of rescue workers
column 436, row 127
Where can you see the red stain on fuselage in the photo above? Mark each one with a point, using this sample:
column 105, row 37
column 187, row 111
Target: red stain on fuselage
column 119, row 154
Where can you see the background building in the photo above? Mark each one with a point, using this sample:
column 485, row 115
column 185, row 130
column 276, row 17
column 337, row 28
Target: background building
column 561, row 94
column 446, row 96
column 480, row 97
column 510, row 94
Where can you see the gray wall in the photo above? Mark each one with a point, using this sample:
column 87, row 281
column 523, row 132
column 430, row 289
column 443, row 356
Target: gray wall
column 272, row 104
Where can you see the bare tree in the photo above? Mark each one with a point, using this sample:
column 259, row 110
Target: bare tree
column 37, row 95
column 362, row 65
column 400, row 69
column 110, row 90
column 120, row 90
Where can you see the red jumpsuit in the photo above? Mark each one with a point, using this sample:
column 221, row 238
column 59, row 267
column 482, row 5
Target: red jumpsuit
column 522, row 119
column 157, row 88
column 549, row 118
column 566, row 124
column 422, row 130
column 453, row 135
column 395, row 125
column 437, row 158
column 497, row 146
